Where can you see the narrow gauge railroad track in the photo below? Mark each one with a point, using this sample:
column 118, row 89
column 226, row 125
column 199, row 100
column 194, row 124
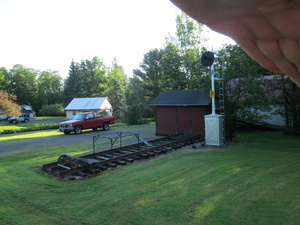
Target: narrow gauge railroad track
column 71, row 167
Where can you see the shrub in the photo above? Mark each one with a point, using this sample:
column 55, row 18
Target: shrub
column 52, row 110
column 103, row 113
column 133, row 117
column 35, row 128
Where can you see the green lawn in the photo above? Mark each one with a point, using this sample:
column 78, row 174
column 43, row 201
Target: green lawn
column 29, row 135
column 254, row 181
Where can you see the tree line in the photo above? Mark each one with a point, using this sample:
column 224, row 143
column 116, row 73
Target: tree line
column 176, row 66
column 249, row 88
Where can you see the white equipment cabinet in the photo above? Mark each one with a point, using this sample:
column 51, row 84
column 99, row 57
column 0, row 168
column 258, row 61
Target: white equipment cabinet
column 214, row 130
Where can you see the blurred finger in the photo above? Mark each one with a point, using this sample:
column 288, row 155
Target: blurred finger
column 286, row 22
column 273, row 51
column 291, row 50
column 251, row 48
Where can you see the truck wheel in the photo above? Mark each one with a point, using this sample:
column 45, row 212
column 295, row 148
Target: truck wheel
column 26, row 121
column 106, row 126
column 67, row 132
column 94, row 129
column 77, row 130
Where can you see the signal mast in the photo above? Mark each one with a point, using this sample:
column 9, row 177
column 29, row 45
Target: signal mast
column 214, row 123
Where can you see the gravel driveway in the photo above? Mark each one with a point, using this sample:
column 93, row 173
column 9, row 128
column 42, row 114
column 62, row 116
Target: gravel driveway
column 147, row 132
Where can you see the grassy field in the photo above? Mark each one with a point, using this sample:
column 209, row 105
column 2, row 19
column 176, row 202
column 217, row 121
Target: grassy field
column 29, row 135
column 253, row 181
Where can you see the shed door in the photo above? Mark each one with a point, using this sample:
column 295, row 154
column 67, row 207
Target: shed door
column 180, row 120
column 166, row 120
column 190, row 120
column 184, row 120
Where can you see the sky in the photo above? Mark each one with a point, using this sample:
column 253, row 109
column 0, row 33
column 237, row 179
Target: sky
column 48, row 34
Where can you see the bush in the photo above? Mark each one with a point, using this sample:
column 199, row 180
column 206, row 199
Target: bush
column 103, row 113
column 133, row 117
column 52, row 110
column 36, row 128
column 290, row 130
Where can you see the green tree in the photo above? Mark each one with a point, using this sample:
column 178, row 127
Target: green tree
column 177, row 65
column 49, row 88
column 284, row 95
column 189, row 33
column 181, row 59
column 117, row 85
column 94, row 79
column 137, row 106
column 173, row 77
column 150, row 73
column 73, row 87
column 245, row 91
column 24, row 85
column 5, row 79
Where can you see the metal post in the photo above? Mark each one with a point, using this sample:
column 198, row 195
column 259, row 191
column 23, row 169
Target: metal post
column 212, row 71
column 94, row 150
column 95, row 138
column 120, row 136
column 111, row 144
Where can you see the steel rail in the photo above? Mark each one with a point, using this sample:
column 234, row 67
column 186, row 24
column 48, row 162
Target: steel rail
column 119, row 156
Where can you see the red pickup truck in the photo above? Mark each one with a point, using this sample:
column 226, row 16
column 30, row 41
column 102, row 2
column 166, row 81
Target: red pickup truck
column 87, row 120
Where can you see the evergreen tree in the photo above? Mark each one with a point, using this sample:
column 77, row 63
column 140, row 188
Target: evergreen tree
column 137, row 106
column 73, row 87
column 150, row 73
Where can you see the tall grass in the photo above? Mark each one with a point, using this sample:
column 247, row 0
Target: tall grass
column 254, row 181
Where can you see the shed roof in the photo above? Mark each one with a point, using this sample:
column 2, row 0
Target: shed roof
column 184, row 97
column 85, row 103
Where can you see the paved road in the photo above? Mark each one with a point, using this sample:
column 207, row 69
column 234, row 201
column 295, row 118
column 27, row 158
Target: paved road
column 61, row 140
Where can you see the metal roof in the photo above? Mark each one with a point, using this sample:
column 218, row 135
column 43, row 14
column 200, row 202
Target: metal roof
column 181, row 98
column 26, row 107
column 85, row 103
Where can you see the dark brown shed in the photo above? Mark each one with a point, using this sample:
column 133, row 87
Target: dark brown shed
column 181, row 112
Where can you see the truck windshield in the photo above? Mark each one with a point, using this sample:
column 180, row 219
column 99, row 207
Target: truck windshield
column 79, row 117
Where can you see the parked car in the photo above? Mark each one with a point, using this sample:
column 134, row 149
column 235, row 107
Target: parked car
column 3, row 117
column 22, row 118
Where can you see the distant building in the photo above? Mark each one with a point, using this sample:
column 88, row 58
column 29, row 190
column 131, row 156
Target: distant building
column 181, row 112
column 27, row 110
column 119, row 112
column 97, row 105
